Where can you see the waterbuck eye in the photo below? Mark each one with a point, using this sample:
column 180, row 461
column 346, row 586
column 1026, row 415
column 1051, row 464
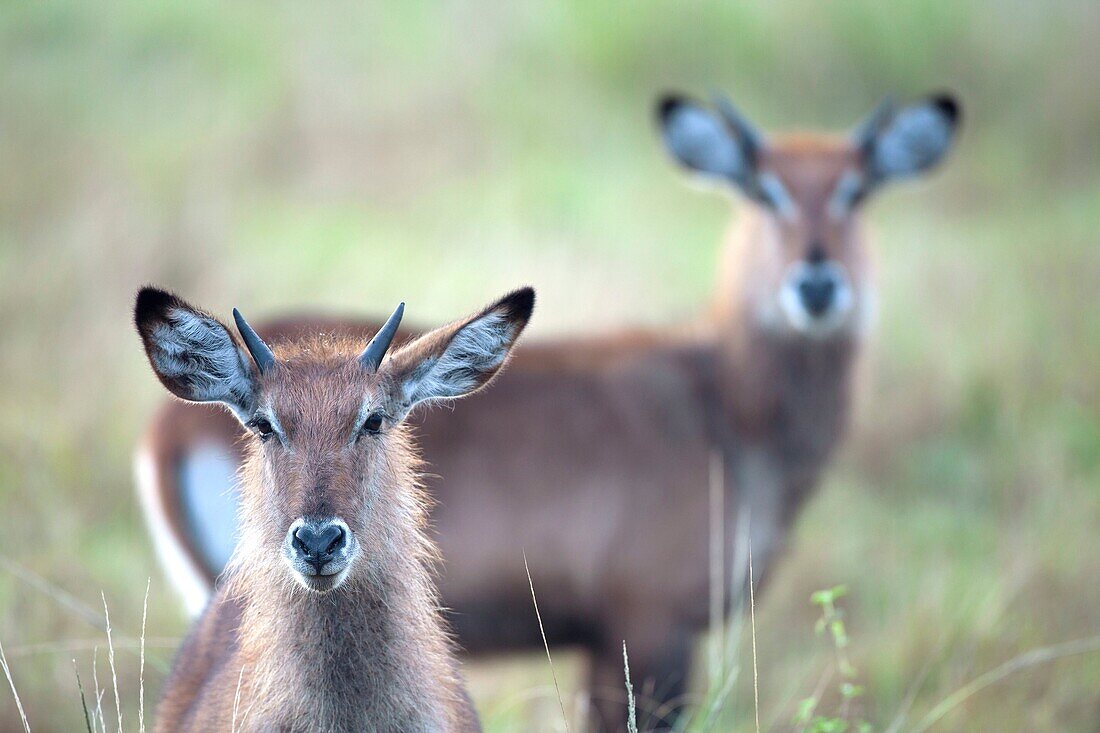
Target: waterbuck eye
column 262, row 427
column 373, row 424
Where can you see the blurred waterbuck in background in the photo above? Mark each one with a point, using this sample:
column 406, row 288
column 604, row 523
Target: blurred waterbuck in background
column 795, row 294
column 593, row 454
column 328, row 617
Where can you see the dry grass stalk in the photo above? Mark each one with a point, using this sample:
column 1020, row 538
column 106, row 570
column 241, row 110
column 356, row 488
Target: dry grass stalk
column 141, row 656
column 546, row 645
column 111, row 660
column 631, row 713
column 14, row 692
column 752, row 625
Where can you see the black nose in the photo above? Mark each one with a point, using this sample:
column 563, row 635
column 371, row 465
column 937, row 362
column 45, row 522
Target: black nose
column 318, row 542
column 817, row 291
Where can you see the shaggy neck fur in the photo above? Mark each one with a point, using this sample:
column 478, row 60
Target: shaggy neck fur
column 370, row 655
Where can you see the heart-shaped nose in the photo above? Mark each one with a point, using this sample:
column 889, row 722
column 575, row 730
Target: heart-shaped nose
column 817, row 290
column 317, row 543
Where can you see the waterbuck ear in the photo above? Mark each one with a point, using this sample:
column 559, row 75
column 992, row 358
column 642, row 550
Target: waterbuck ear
column 461, row 358
column 193, row 354
column 911, row 140
column 701, row 141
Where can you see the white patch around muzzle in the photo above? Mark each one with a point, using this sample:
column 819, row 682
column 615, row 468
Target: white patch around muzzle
column 330, row 575
column 836, row 317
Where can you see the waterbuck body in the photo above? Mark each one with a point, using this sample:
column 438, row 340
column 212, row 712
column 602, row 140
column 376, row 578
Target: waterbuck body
column 594, row 456
column 328, row 617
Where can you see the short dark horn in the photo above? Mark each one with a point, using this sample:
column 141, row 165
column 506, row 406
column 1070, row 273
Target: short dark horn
column 371, row 358
column 261, row 352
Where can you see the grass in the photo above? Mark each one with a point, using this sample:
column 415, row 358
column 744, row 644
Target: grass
column 631, row 705
column 348, row 158
column 546, row 645
column 14, row 691
column 93, row 718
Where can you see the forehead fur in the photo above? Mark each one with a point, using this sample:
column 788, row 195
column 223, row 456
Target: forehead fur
column 809, row 151
column 810, row 143
column 318, row 375
column 321, row 349
column 809, row 164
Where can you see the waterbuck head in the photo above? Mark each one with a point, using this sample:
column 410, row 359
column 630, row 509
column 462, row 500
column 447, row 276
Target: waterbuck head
column 329, row 484
column 804, row 268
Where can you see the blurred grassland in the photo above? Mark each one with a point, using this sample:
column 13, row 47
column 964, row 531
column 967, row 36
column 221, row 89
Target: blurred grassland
column 344, row 156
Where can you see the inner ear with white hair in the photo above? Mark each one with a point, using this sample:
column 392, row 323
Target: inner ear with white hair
column 895, row 143
column 455, row 360
column 899, row 143
column 194, row 355
column 719, row 144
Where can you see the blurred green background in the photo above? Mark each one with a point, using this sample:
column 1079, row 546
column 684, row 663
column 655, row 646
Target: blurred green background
column 346, row 155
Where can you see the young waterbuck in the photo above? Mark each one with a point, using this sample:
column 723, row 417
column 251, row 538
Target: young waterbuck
column 328, row 617
column 592, row 454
